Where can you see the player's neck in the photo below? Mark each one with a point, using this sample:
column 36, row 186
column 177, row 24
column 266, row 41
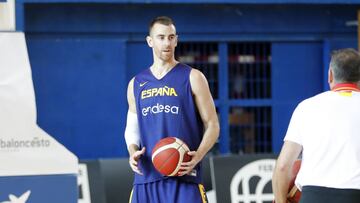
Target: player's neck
column 161, row 68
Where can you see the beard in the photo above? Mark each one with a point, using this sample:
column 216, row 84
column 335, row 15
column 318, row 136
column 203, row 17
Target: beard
column 166, row 56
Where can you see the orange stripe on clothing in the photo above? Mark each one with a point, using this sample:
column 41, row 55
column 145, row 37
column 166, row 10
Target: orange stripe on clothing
column 203, row 194
column 346, row 87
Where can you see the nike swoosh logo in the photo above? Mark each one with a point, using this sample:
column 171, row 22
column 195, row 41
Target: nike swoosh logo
column 142, row 84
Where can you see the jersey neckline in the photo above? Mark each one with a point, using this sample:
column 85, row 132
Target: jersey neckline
column 345, row 87
column 159, row 79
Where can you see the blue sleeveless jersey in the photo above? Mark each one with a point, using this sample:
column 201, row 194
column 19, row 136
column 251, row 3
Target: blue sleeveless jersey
column 166, row 108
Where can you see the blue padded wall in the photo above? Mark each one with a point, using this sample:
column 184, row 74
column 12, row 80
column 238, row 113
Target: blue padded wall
column 297, row 75
column 84, row 54
column 80, row 86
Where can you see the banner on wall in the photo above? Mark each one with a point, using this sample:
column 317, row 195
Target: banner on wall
column 38, row 189
column 34, row 167
column 243, row 179
column 7, row 15
column 25, row 149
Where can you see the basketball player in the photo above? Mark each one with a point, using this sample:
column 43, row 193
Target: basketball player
column 168, row 99
column 326, row 129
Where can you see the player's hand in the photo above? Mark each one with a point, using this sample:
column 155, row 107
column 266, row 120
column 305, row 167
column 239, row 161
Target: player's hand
column 134, row 160
column 187, row 167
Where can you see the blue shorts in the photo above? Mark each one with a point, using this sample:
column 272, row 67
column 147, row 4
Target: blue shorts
column 168, row 190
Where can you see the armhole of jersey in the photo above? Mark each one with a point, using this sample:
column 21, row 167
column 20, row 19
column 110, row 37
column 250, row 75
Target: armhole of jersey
column 134, row 87
column 134, row 93
column 192, row 93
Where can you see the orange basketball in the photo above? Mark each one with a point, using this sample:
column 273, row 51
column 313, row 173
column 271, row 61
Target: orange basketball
column 168, row 154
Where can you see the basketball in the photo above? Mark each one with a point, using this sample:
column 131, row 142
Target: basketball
column 168, row 154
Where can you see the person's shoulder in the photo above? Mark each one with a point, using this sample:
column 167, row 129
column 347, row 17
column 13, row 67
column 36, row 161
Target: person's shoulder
column 319, row 96
column 196, row 75
column 314, row 100
column 131, row 82
column 141, row 75
column 191, row 72
column 184, row 68
column 136, row 79
column 194, row 72
column 183, row 65
column 198, row 81
column 142, row 72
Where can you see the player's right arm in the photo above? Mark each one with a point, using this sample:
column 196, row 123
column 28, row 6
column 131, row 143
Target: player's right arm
column 282, row 173
column 132, row 134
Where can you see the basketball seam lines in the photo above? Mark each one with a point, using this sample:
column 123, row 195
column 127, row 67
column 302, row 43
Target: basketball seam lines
column 170, row 157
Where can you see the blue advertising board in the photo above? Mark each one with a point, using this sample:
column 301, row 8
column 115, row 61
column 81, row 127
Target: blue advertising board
column 39, row 189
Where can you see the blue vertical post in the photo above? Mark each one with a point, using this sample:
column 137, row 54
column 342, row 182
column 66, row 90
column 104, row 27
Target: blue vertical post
column 326, row 60
column 19, row 16
column 224, row 98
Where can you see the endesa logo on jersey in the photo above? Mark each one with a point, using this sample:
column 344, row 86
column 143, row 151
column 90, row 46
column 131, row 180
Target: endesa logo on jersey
column 159, row 91
column 159, row 108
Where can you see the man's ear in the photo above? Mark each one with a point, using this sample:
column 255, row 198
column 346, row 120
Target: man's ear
column 177, row 40
column 149, row 41
column 330, row 76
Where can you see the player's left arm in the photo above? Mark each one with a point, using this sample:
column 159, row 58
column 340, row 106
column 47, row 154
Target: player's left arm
column 205, row 105
column 283, row 170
